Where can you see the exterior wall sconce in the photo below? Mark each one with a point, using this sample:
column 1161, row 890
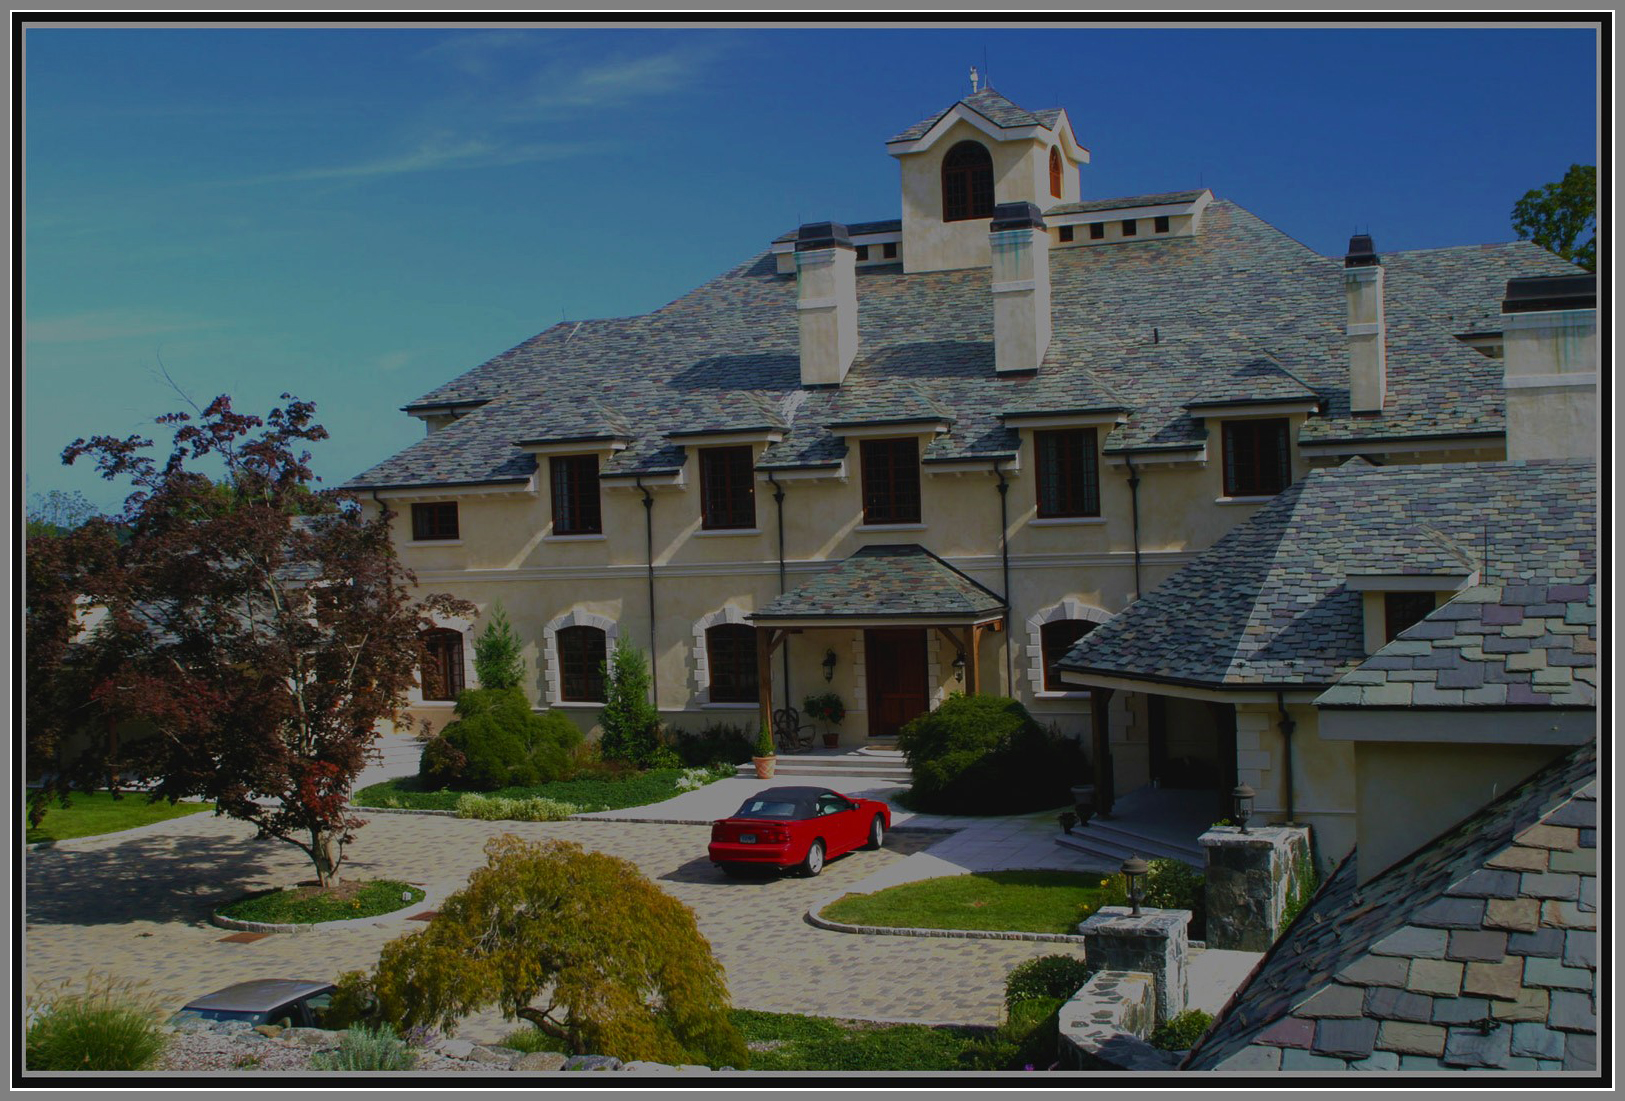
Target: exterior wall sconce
column 959, row 666
column 829, row 666
column 1243, row 798
column 1134, row 870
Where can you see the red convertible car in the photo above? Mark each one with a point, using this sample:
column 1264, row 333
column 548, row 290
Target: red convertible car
column 796, row 827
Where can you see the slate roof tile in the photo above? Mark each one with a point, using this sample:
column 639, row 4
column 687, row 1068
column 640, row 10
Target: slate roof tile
column 904, row 580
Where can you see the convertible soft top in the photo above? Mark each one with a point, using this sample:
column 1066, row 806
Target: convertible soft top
column 791, row 804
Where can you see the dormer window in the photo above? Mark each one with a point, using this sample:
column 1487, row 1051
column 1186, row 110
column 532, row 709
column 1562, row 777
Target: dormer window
column 576, row 509
column 1131, row 227
column 1055, row 172
column 1097, row 231
column 967, row 183
column 1403, row 610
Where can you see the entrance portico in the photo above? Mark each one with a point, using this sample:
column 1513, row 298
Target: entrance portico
column 901, row 598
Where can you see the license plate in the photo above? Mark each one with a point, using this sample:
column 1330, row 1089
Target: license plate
column 747, row 838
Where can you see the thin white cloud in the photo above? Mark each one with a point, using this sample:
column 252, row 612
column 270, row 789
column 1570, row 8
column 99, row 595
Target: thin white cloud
column 114, row 324
column 623, row 80
column 434, row 157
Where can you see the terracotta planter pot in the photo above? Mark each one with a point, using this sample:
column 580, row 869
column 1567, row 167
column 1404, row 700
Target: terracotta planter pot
column 832, row 740
column 764, row 767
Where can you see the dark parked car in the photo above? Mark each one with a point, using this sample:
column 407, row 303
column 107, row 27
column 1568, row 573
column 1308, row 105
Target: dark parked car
column 296, row 1003
column 797, row 827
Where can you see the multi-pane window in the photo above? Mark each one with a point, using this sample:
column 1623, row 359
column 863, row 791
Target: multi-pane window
column 1160, row 223
column 1055, row 172
column 730, row 652
column 1131, row 226
column 1404, row 610
column 1066, row 233
column 436, row 520
column 576, row 509
column 581, row 664
column 1058, row 637
column 440, row 665
column 888, row 251
column 1068, row 473
column 727, row 488
column 863, row 252
column 1097, row 231
column 1257, row 462
column 891, row 481
column 967, row 183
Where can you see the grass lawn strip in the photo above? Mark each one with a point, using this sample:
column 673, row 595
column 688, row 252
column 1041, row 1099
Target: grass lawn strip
column 92, row 813
column 310, row 905
column 588, row 793
column 1005, row 902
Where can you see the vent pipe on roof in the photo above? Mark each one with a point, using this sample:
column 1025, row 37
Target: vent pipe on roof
column 826, row 302
column 1021, row 290
column 1549, row 342
column 1367, row 327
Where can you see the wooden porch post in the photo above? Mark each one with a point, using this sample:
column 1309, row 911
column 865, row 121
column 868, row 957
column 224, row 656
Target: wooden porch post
column 973, row 674
column 764, row 675
column 1101, row 731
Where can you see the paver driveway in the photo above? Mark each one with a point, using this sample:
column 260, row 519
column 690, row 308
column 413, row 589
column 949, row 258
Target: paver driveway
column 138, row 907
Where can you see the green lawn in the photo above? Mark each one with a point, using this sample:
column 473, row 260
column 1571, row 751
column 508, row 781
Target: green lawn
column 97, row 812
column 634, row 789
column 1015, row 901
column 309, row 905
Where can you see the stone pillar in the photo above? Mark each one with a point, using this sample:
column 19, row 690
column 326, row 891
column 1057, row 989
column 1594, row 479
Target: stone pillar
column 1250, row 877
column 1155, row 943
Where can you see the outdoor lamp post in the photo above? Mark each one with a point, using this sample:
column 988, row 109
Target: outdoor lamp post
column 1134, row 870
column 959, row 666
column 829, row 666
column 1243, row 797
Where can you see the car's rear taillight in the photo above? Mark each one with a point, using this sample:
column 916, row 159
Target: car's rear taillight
column 773, row 835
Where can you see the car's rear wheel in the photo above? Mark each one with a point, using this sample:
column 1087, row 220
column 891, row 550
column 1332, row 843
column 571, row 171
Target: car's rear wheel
column 815, row 859
column 877, row 833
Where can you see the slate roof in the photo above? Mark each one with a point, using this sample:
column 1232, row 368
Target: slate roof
column 1491, row 646
column 991, row 106
column 904, row 580
column 1478, row 951
column 1090, row 206
column 1268, row 603
column 1241, row 312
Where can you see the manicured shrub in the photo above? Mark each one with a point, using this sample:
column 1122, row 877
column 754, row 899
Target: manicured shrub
column 107, row 1026
column 492, row 808
column 1181, row 1031
column 630, row 724
column 1170, row 885
column 1046, row 977
column 354, row 1002
column 501, row 743
column 366, row 1048
column 985, row 755
column 715, row 743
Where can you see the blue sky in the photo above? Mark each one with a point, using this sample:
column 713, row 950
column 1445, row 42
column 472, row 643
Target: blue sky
column 358, row 215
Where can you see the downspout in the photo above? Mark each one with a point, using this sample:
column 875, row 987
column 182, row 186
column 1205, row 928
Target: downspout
column 649, row 543
column 778, row 499
column 1134, row 505
column 1004, row 550
column 1287, row 726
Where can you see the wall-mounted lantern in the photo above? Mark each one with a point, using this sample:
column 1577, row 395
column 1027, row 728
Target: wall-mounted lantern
column 829, row 666
column 959, row 666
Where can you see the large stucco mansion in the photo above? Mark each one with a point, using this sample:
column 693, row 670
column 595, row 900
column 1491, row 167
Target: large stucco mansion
column 899, row 459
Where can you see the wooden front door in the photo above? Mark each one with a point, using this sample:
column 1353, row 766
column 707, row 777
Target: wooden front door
column 896, row 672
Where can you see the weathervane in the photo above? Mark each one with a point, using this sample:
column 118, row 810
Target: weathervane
column 973, row 80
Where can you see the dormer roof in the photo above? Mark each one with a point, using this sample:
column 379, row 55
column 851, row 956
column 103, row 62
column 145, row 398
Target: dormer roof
column 996, row 116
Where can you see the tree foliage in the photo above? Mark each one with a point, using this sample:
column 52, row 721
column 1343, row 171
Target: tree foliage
column 1554, row 216
column 497, row 660
column 580, row 944
column 255, row 628
column 59, row 512
column 630, row 724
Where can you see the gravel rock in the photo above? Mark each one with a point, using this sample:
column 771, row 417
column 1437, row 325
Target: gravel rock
column 540, row 1060
column 591, row 1062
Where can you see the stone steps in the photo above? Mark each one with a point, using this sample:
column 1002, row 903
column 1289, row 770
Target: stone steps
column 866, row 763
column 1114, row 843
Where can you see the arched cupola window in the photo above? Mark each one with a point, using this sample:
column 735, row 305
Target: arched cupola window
column 1055, row 172
column 967, row 183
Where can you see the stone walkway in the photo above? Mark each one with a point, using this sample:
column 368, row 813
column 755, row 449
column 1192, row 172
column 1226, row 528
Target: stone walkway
column 138, row 907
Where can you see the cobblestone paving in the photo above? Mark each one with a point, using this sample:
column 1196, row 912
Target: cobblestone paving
column 139, row 908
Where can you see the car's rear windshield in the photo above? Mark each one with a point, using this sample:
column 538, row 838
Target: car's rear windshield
column 768, row 808
column 252, row 1017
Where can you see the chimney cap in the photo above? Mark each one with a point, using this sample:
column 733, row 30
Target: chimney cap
column 817, row 235
column 1535, row 293
column 1018, row 215
column 1362, row 253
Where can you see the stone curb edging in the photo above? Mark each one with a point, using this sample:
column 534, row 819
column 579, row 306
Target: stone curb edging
column 430, row 899
column 814, row 918
column 401, row 810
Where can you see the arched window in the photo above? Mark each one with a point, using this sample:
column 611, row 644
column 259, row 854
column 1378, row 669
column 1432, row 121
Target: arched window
column 1059, row 636
column 967, row 183
column 441, row 664
column 1055, row 171
column 730, row 653
column 582, row 652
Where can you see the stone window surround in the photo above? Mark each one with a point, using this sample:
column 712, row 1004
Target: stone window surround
column 552, row 676
column 414, row 695
column 1069, row 608
column 727, row 614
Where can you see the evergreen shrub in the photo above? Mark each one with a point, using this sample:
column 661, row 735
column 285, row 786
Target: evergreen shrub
column 986, row 755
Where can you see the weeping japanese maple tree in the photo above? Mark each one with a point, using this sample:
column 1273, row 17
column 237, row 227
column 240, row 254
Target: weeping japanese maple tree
column 245, row 631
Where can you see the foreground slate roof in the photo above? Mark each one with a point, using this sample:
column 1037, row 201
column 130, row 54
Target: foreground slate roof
column 1479, row 951
column 886, row 581
column 1240, row 312
column 1268, row 603
column 1492, row 646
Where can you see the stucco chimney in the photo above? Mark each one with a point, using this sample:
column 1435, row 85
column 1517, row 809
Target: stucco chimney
column 826, row 302
column 1549, row 342
column 1021, row 294
column 1367, row 328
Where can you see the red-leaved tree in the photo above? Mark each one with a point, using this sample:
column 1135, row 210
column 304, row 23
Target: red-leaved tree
column 244, row 634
